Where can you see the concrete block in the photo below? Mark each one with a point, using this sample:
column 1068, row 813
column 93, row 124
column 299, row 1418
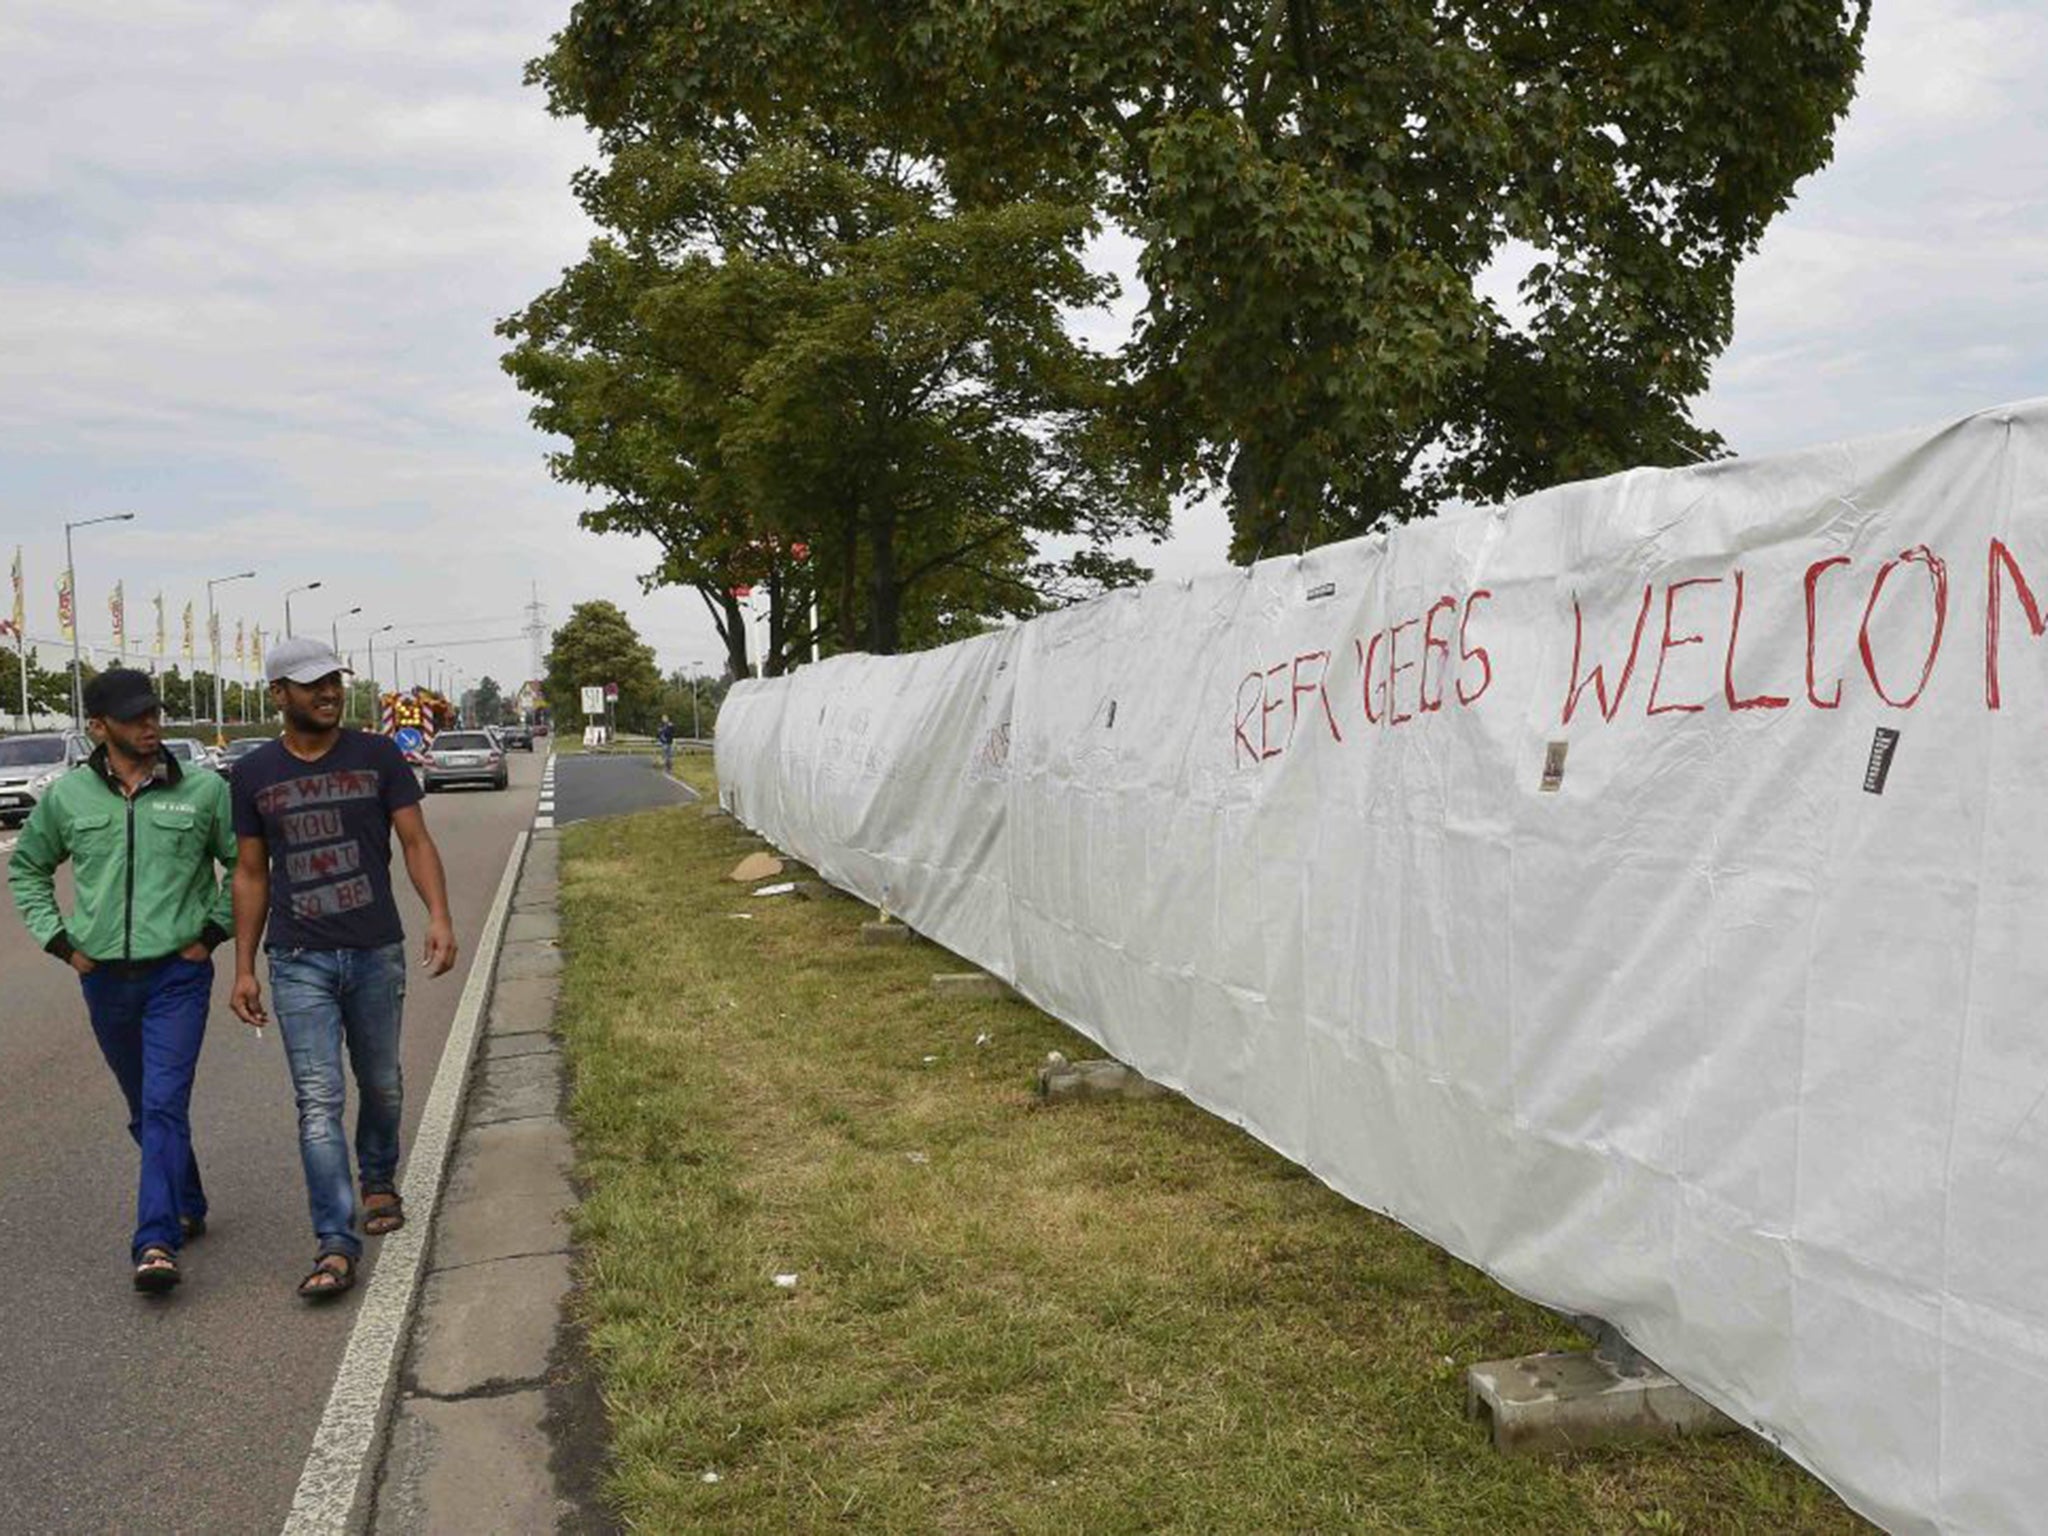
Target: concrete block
column 521, row 1006
column 975, row 984
column 522, row 927
column 1569, row 1400
column 531, row 958
column 513, row 1088
column 1073, row 1081
column 488, row 1325
column 537, row 896
column 514, row 1157
column 480, row 1464
column 885, row 933
column 536, row 1043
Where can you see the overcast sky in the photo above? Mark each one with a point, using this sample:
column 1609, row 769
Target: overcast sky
column 252, row 257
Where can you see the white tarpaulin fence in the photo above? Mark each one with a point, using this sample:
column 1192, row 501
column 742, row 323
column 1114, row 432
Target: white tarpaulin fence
column 1639, row 890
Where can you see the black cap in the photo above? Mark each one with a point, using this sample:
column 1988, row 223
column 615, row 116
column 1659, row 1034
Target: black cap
column 120, row 693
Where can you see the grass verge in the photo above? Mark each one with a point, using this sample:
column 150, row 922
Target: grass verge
column 1005, row 1317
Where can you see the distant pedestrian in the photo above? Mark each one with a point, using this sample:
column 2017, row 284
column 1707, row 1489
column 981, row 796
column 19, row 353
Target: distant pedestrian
column 147, row 839
column 666, row 735
column 314, row 814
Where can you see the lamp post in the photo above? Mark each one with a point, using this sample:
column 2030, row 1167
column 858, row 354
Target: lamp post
column 213, row 649
column 71, row 579
column 334, row 643
column 374, row 684
column 311, row 586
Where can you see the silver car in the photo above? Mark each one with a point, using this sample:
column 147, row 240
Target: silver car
column 464, row 757
column 31, row 764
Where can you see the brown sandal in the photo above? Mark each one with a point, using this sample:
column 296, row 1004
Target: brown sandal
column 332, row 1274
column 379, row 1220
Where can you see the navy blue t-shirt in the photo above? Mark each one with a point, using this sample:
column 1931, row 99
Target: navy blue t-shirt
column 328, row 824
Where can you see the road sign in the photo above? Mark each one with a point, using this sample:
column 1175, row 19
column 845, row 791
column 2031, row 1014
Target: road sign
column 611, row 692
column 593, row 701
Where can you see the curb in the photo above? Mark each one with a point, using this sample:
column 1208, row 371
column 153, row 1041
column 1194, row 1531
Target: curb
column 495, row 1423
column 334, row 1486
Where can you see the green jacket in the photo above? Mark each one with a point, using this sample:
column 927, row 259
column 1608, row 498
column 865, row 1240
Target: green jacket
column 143, row 869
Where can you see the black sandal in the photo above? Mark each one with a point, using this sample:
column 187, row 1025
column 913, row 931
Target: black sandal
column 326, row 1280
column 381, row 1220
column 156, row 1270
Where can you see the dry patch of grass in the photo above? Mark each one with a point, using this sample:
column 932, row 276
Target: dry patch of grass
column 1122, row 1317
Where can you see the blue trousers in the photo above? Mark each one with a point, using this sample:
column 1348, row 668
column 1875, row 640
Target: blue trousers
column 150, row 1028
column 329, row 1001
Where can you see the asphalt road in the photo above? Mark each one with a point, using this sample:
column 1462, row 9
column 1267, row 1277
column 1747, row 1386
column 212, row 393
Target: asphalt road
column 192, row 1413
column 612, row 785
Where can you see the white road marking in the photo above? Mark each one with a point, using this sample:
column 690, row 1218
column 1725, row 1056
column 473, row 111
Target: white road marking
column 332, row 1484
column 543, row 823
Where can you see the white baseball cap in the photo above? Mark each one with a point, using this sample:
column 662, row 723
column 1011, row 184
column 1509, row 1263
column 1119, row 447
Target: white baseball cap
column 301, row 659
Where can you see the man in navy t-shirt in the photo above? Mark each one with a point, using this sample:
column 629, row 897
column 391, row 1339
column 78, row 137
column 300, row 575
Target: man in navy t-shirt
column 314, row 814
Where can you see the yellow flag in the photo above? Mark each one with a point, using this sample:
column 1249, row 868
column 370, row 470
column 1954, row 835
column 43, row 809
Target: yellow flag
column 188, row 631
column 241, row 650
column 20, row 599
column 117, row 608
column 67, row 621
column 159, row 624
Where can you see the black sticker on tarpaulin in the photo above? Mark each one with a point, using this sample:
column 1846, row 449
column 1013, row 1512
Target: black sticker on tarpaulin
column 1882, row 748
column 1317, row 593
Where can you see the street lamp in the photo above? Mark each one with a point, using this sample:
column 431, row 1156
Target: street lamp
column 213, row 646
column 334, row 642
column 374, row 684
column 311, row 586
column 71, row 580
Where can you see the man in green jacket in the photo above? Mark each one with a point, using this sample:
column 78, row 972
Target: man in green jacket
column 147, row 841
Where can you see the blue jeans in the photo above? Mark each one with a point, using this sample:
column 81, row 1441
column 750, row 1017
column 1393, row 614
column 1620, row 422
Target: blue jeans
column 668, row 757
column 327, row 999
column 150, row 1028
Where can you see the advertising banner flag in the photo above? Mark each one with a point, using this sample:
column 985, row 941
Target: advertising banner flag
column 241, row 649
column 256, row 649
column 117, row 610
column 20, row 596
column 67, row 619
column 188, row 632
column 159, row 649
column 213, row 638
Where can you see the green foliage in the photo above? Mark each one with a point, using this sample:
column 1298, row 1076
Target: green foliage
column 797, row 363
column 598, row 645
column 1318, row 190
column 487, row 703
column 49, row 688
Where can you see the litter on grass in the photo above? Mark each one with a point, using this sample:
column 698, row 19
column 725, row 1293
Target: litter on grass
column 777, row 890
column 984, row 1038
column 786, row 1282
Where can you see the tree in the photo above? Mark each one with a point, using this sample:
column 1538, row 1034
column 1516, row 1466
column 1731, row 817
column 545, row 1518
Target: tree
column 595, row 646
column 800, row 366
column 49, row 688
column 1319, row 191
column 487, row 702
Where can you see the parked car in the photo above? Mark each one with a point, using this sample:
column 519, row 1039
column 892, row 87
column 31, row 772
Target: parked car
column 31, row 763
column 464, row 757
column 238, row 749
column 519, row 736
column 189, row 753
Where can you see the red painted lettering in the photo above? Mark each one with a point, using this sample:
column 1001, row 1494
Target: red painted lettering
column 1243, row 743
column 1268, row 704
column 1472, row 653
column 1813, row 575
column 1937, row 578
column 1431, row 643
column 1667, row 645
column 1367, row 670
column 1316, row 688
column 1736, row 701
column 1597, row 677
column 1395, row 667
column 2035, row 621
